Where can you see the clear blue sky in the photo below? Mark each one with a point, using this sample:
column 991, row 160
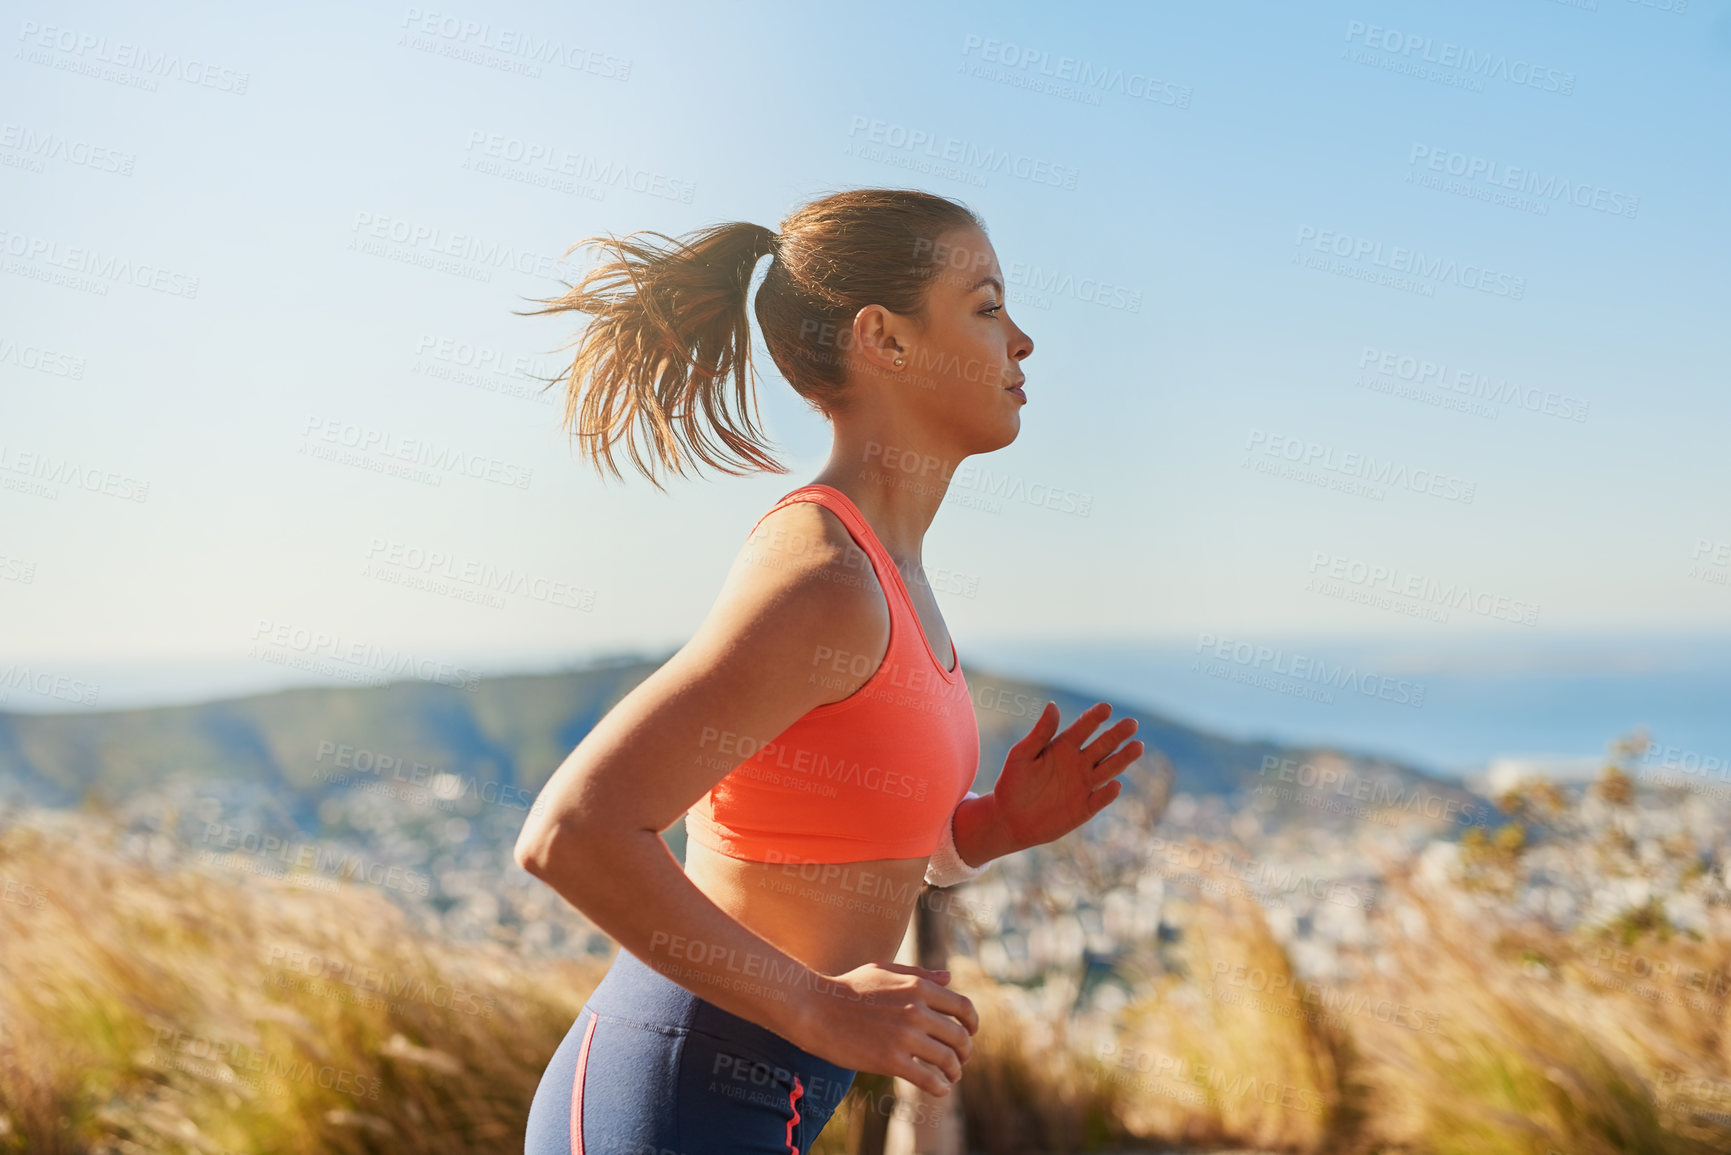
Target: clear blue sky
column 1299, row 210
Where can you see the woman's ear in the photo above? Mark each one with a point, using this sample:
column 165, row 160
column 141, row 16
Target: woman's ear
column 875, row 331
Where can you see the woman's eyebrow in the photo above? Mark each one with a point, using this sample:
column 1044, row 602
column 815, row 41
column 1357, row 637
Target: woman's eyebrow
column 988, row 280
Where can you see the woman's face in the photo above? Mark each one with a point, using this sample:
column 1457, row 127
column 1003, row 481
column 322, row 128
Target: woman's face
column 961, row 368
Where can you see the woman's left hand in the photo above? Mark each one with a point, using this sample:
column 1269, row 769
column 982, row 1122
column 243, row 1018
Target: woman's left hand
column 1051, row 785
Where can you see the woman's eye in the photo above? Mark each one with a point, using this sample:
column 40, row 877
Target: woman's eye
column 992, row 309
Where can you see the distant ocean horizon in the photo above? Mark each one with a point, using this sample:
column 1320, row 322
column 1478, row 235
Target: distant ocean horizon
column 1452, row 708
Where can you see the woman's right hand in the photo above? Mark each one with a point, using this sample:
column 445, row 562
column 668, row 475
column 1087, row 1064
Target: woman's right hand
column 892, row 1019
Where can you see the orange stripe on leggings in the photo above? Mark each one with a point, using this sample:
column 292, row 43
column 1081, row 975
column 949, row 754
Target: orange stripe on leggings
column 797, row 1091
column 577, row 1088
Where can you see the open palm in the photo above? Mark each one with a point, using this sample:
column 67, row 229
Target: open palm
column 1052, row 783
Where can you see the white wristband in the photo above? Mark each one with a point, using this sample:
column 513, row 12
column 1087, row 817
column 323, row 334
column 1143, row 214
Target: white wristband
column 946, row 867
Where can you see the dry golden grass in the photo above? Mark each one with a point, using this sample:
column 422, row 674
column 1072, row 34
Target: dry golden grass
column 171, row 1011
column 1477, row 1034
column 164, row 1010
column 1029, row 1086
column 1227, row 1053
column 1543, row 1047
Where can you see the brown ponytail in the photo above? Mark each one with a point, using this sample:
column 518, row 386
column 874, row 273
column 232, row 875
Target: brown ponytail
column 670, row 322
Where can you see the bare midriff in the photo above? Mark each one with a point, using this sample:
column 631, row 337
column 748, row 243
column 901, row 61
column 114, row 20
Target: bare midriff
column 832, row 917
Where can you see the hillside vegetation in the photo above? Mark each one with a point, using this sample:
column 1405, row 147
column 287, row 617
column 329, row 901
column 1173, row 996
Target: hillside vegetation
column 149, row 1006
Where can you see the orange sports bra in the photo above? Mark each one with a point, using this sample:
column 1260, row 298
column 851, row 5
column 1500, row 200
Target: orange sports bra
column 875, row 775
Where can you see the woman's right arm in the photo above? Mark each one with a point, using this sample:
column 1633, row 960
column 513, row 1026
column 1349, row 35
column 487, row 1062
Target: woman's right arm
column 796, row 596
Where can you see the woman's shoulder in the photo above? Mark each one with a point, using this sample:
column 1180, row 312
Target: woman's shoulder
column 807, row 544
column 802, row 569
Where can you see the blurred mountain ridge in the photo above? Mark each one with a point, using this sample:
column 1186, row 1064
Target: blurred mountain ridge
column 498, row 739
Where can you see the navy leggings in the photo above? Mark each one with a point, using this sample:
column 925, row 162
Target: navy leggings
column 650, row 1068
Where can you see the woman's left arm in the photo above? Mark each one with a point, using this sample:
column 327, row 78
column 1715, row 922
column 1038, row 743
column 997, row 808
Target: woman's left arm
column 1051, row 784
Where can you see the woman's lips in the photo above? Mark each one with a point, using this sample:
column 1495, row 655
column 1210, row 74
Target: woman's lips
column 1017, row 391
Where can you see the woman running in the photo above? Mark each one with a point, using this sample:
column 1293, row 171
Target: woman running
column 817, row 746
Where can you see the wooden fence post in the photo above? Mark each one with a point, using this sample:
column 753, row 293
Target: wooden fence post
column 924, row 1124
